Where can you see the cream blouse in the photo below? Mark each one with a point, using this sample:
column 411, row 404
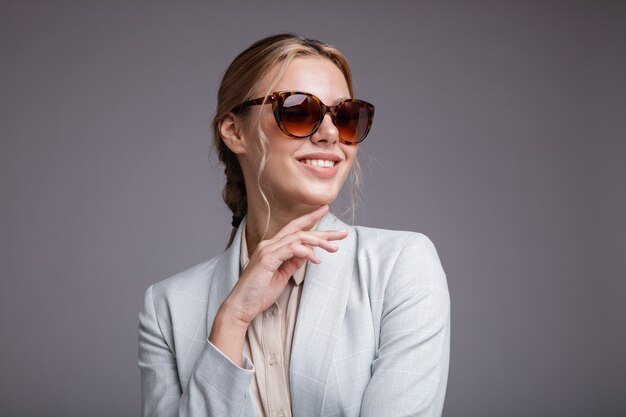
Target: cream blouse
column 268, row 345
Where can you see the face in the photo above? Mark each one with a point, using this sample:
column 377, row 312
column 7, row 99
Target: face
column 298, row 174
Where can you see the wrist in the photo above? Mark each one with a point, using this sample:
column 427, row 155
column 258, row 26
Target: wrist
column 234, row 316
column 228, row 335
column 229, row 317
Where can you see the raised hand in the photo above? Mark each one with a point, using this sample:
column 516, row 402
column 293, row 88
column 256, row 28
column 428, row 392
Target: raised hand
column 271, row 265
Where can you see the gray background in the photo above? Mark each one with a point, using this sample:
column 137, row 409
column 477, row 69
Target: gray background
column 499, row 133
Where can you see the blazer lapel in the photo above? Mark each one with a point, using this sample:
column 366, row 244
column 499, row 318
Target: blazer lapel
column 225, row 277
column 320, row 314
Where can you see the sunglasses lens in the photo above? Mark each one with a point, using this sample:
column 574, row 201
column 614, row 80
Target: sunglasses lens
column 300, row 114
column 352, row 121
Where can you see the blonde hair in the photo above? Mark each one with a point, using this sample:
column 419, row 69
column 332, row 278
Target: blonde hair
column 241, row 79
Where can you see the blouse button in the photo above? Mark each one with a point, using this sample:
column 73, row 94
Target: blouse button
column 271, row 361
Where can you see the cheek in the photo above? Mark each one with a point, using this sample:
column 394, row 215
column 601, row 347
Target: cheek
column 350, row 151
column 269, row 125
column 274, row 145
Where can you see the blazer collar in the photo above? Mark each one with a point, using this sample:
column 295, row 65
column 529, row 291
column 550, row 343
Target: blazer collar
column 320, row 314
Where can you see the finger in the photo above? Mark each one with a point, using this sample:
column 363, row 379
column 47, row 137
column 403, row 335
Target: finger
column 295, row 249
column 308, row 237
column 331, row 234
column 290, row 266
column 320, row 239
column 272, row 260
column 300, row 223
column 304, row 238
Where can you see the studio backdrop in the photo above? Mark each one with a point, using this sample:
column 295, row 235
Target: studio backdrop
column 499, row 134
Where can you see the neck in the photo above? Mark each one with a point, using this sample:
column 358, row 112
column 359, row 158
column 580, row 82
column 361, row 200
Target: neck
column 257, row 220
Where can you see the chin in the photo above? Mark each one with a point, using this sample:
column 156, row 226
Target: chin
column 318, row 199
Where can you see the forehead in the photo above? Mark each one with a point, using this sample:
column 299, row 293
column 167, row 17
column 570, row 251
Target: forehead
column 316, row 75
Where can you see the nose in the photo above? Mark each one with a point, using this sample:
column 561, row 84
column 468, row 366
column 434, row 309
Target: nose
column 327, row 132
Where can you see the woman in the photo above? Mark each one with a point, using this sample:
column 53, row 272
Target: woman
column 303, row 314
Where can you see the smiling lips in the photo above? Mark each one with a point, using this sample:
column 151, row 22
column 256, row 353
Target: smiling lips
column 319, row 162
column 323, row 168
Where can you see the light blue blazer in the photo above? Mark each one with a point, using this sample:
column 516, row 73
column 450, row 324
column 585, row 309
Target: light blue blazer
column 372, row 334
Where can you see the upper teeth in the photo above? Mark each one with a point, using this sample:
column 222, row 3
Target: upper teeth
column 320, row 162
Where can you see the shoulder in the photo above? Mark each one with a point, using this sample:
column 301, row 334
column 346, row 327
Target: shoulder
column 372, row 239
column 188, row 284
column 372, row 236
column 382, row 242
column 176, row 305
column 400, row 255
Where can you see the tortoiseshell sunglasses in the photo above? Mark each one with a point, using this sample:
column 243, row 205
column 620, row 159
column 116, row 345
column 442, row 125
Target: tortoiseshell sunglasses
column 299, row 115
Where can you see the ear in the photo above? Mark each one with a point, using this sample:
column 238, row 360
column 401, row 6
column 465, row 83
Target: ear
column 231, row 131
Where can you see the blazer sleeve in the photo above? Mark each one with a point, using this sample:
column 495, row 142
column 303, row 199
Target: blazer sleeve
column 217, row 387
column 410, row 370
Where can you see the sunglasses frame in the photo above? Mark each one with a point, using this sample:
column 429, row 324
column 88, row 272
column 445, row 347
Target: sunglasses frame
column 278, row 98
